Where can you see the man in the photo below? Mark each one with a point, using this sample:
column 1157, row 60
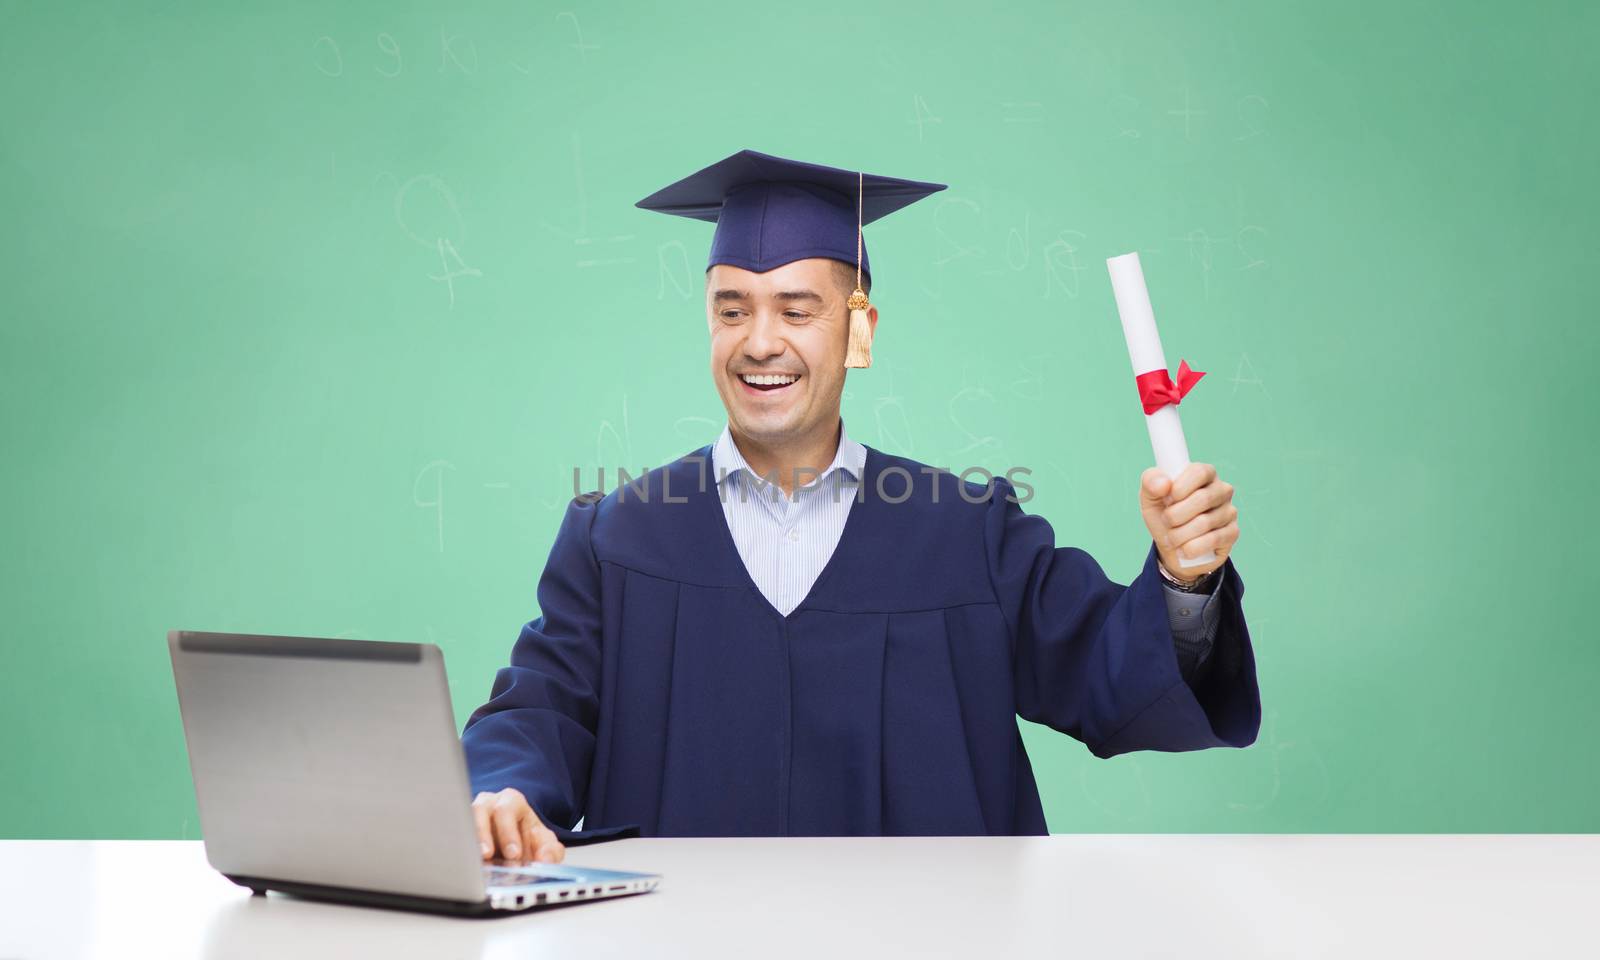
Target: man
column 844, row 646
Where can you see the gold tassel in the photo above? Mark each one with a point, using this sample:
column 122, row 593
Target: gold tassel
column 859, row 352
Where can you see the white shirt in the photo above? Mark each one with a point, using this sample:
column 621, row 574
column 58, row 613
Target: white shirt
column 785, row 541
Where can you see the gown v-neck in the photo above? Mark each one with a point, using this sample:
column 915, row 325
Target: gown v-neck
column 711, row 504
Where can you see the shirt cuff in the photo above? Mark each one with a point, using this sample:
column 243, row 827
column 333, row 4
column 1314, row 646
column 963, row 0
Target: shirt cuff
column 1194, row 618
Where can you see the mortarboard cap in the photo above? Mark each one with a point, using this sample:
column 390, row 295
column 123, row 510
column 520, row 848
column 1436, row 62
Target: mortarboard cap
column 770, row 211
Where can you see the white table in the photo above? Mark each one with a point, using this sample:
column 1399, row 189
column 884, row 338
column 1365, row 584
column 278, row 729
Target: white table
column 1189, row 896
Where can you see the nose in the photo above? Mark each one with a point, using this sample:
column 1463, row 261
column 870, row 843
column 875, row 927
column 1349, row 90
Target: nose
column 764, row 340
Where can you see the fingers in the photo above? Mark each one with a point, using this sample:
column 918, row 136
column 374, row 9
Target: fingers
column 1206, row 498
column 1204, row 523
column 505, row 816
column 1192, row 478
column 506, row 823
column 1219, row 541
column 1154, row 485
column 546, row 846
column 480, row 817
column 539, row 841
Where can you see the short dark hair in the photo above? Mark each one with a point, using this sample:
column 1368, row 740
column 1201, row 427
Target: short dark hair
column 847, row 276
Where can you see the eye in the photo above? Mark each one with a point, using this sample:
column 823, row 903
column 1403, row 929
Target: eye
column 794, row 314
column 731, row 314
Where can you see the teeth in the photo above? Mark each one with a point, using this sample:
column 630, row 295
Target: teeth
column 765, row 379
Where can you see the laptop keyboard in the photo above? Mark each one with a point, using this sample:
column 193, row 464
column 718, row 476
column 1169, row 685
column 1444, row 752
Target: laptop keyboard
column 498, row 877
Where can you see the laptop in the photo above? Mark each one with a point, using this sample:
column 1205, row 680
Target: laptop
column 331, row 769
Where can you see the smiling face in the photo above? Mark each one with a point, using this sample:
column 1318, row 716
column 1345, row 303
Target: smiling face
column 778, row 343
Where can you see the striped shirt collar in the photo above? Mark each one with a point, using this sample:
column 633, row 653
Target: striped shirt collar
column 851, row 458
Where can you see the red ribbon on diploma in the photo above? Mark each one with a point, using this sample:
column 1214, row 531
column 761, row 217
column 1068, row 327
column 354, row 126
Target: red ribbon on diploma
column 1156, row 388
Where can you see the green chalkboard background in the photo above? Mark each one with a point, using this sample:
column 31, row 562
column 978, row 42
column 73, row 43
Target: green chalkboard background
column 309, row 312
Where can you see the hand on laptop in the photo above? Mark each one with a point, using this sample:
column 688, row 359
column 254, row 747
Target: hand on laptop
column 507, row 824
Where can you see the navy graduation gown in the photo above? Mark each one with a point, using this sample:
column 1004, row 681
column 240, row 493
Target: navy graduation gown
column 660, row 693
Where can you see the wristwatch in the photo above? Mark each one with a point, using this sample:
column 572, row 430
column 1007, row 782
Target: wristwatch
column 1198, row 586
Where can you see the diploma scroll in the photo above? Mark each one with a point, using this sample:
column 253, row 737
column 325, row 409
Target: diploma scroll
column 1144, row 349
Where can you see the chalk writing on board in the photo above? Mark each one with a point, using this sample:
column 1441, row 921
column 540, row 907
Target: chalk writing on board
column 703, row 427
column 388, row 45
column 669, row 257
column 447, row 252
column 889, row 416
column 1020, row 244
column 1021, row 111
column 1061, row 266
column 622, row 439
column 1199, row 244
column 551, row 506
column 1059, row 257
column 1250, row 239
column 1304, row 753
column 1248, row 501
column 1254, row 379
column 921, row 116
column 1188, row 113
column 964, row 399
column 1122, row 108
column 1251, row 112
column 585, row 243
column 435, row 469
column 592, row 250
column 429, row 190
column 941, row 222
column 426, row 210
column 894, row 427
column 450, row 49
column 329, row 61
column 1031, row 387
column 577, row 30
column 946, row 247
column 1252, row 116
